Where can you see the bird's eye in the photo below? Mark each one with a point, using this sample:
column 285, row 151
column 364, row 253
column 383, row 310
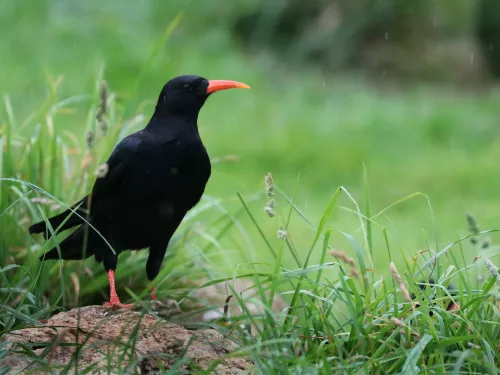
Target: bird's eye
column 188, row 87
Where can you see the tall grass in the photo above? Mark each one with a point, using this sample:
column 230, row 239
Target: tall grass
column 344, row 315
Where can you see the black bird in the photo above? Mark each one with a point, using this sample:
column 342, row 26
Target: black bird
column 154, row 177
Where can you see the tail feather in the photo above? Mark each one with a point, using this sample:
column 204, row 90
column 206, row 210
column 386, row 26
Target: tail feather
column 71, row 247
column 56, row 221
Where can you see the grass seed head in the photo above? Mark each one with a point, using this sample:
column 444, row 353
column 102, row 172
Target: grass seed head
column 54, row 207
column 355, row 273
column 397, row 322
column 269, row 207
column 402, row 286
column 102, row 170
column 102, row 110
column 42, row 200
column 492, row 268
column 271, row 203
column 472, row 223
column 268, row 181
column 282, row 234
column 341, row 255
column 87, row 159
column 486, row 244
column 90, row 138
column 103, row 95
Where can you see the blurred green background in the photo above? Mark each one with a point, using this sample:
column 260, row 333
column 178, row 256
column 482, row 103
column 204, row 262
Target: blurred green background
column 406, row 88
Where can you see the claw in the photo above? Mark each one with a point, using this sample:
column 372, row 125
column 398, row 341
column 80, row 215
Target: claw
column 118, row 305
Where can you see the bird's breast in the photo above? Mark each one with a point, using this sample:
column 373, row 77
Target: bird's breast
column 179, row 173
column 156, row 196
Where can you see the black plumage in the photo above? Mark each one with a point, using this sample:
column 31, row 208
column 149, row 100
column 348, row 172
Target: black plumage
column 154, row 177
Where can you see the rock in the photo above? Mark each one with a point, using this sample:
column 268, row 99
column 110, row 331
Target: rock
column 166, row 308
column 118, row 339
column 210, row 300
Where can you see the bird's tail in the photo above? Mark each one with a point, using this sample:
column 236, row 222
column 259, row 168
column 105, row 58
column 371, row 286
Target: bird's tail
column 68, row 217
column 72, row 247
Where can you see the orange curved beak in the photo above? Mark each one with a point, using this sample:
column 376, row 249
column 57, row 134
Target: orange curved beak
column 220, row 84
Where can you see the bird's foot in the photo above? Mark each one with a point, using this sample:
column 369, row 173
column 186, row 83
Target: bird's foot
column 118, row 305
column 114, row 303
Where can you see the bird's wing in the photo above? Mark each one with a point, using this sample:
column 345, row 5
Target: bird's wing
column 121, row 160
column 121, row 156
column 117, row 164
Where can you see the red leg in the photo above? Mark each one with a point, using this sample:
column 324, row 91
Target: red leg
column 114, row 301
column 153, row 293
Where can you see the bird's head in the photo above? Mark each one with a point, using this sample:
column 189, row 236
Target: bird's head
column 187, row 94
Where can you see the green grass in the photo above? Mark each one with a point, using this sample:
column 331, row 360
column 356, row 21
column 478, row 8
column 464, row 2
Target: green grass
column 384, row 173
column 339, row 320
